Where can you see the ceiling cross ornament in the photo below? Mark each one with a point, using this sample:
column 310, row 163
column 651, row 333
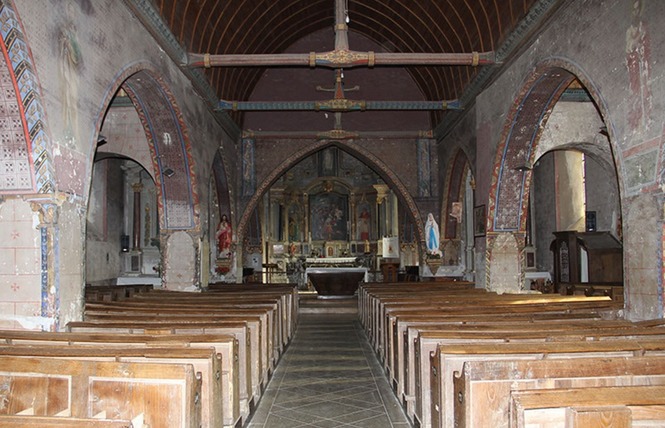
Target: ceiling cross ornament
column 337, row 104
column 341, row 56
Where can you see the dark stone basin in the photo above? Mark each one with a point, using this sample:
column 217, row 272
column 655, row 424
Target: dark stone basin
column 336, row 284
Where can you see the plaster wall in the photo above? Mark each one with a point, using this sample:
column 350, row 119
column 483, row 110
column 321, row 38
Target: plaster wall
column 20, row 270
column 103, row 249
column 125, row 136
column 82, row 51
column 609, row 46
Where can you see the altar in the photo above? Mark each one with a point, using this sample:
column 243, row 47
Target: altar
column 334, row 277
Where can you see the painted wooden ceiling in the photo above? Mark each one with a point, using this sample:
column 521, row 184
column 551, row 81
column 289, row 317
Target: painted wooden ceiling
column 271, row 26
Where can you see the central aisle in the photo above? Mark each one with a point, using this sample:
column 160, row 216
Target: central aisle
column 329, row 377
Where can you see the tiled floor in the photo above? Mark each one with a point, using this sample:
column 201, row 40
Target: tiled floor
column 329, row 377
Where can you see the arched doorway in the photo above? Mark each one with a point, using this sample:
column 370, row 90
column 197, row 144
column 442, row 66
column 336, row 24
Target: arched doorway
column 512, row 206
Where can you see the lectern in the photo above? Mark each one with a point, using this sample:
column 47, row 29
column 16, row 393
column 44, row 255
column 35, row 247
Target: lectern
column 603, row 262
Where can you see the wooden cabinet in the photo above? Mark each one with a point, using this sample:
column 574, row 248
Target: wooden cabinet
column 389, row 270
column 594, row 257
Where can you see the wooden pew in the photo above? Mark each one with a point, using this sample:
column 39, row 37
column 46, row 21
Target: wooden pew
column 246, row 380
column 482, row 388
column 263, row 359
column 23, row 421
column 280, row 324
column 427, row 342
column 286, row 295
column 541, row 408
column 114, row 292
column 206, row 362
column 403, row 359
column 450, row 359
column 166, row 395
column 262, row 315
column 269, row 312
column 225, row 345
column 493, row 304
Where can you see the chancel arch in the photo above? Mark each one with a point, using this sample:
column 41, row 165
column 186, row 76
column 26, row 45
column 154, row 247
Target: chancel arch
column 375, row 205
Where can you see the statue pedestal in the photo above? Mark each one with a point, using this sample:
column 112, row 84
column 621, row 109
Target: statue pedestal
column 223, row 266
column 434, row 265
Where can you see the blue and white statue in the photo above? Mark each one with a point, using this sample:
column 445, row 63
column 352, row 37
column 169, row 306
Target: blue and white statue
column 432, row 236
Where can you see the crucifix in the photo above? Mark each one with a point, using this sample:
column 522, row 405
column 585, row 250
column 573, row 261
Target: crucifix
column 341, row 56
column 339, row 91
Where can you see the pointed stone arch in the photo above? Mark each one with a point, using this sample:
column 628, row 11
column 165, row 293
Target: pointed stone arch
column 167, row 136
column 23, row 114
column 352, row 148
column 510, row 185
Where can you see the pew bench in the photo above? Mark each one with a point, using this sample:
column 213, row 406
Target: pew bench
column 25, row 421
column 482, row 388
column 541, row 408
column 246, row 380
column 206, row 363
column 262, row 352
column 224, row 345
column 164, row 395
column 406, row 329
column 417, row 383
column 450, row 359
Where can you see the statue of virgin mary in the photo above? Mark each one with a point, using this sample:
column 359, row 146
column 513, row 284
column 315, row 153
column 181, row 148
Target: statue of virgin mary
column 432, row 236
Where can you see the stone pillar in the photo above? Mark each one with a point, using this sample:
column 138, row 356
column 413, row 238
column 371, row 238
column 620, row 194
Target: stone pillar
column 136, row 217
column 505, row 262
column 48, row 208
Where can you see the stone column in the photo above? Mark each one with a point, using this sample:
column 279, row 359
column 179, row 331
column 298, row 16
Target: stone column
column 48, row 208
column 136, row 217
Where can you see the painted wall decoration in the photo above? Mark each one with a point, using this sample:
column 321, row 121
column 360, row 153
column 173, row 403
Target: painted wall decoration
column 248, row 173
column 166, row 130
column 329, row 217
column 424, row 168
column 27, row 162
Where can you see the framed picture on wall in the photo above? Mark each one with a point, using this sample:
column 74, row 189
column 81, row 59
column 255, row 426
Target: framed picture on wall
column 479, row 219
column 328, row 216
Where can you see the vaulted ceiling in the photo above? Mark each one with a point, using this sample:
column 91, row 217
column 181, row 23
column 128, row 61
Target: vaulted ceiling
column 409, row 26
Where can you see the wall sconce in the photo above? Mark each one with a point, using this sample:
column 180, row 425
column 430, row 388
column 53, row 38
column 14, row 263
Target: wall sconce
column 168, row 172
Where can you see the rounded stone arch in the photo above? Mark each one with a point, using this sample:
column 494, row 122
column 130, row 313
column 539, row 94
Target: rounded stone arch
column 25, row 113
column 515, row 155
column 356, row 150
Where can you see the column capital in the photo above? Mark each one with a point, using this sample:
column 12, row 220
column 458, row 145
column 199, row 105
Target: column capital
column 46, row 204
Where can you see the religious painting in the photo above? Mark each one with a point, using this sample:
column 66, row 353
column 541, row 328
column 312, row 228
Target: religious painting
column 479, row 218
column 329, row 218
